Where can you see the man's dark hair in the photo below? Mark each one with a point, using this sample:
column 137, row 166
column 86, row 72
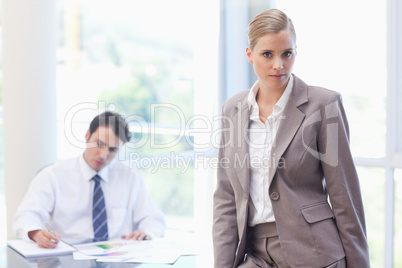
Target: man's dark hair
column 114, row 121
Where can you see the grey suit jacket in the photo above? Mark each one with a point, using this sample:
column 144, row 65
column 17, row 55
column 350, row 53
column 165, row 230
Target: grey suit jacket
column 310, row 160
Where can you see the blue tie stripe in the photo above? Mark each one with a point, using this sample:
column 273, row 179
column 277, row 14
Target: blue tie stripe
column 97, row 190
column 99, row 228
column 99, row 216
column 100, row 199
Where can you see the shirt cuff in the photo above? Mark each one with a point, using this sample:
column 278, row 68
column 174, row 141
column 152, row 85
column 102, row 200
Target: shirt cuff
column 23, row 233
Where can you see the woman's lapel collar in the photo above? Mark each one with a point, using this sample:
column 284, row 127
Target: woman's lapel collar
column 240, row 138
column 292, row 118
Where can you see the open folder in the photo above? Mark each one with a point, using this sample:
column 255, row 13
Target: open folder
column 31, row 249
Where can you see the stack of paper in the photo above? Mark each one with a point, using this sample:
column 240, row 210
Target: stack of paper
column 31, row 249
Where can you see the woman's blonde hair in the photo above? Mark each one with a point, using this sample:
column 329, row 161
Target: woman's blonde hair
column 269, row 21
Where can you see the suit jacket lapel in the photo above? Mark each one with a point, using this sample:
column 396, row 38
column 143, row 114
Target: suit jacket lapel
column 242, row 158
column 290, row 123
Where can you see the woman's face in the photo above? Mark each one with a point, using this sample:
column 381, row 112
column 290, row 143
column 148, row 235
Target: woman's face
column 273, row 57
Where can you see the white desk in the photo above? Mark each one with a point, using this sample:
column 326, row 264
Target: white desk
column 11, row 259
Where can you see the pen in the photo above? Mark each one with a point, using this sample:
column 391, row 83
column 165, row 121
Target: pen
column 48, row 228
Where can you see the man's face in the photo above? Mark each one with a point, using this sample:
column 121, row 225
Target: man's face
column 102, row 147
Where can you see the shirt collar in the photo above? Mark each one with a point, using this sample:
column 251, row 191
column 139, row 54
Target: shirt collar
column 251, row 99
column 252, row 102
column 286, row 94
column 89, row 172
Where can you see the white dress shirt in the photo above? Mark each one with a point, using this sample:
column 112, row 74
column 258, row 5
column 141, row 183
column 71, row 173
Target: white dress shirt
column 62, row 193
column 261, row 141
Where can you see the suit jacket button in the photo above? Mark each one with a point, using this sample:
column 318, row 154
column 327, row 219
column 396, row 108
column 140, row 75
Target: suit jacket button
column 274, row 196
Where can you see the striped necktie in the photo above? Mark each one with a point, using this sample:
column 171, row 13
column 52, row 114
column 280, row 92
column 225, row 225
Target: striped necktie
column 99, row 217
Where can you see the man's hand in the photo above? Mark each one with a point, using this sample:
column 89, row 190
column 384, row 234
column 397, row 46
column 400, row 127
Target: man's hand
column 44, row 239
column 136, row 235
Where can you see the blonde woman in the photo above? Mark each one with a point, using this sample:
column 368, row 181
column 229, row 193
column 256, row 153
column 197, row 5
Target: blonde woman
column 288, row 194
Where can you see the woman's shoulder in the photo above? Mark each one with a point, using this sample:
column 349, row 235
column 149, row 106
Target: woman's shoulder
column 236, row 100
column 318, row 93
column 323, row 95
column 238, row 97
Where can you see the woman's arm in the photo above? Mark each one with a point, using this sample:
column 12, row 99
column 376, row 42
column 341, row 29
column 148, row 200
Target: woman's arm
column 225, row 233
column 343, row 184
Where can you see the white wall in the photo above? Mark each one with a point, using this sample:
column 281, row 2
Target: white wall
column 29, row 94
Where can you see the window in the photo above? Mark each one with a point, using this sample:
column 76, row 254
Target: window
column 141, row 59
column 398, row 219
column 3, row 219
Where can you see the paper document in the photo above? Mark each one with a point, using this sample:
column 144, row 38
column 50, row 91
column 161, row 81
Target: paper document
column 168, row 258
column 149, row 251
column 31, row 249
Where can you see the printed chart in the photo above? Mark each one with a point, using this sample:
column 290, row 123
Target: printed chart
column 150, row 251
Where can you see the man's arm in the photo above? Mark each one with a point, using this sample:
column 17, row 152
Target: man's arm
column 148, row 220
column 34, row 209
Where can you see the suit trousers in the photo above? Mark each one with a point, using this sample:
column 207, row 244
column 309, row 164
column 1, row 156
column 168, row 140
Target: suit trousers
column 264, row 249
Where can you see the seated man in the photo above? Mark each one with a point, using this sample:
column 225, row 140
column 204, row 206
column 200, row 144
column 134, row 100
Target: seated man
column 90, row 196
